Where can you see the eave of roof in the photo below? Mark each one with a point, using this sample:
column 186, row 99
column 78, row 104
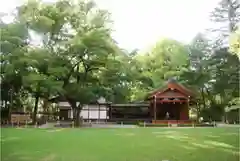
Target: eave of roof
column 177, row 85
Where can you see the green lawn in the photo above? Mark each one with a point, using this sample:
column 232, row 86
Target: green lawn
column 140, row 144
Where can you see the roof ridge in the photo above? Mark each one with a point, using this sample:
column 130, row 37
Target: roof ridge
column 171, row 81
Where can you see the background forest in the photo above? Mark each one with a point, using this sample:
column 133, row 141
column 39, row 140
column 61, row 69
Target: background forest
column 79, row 60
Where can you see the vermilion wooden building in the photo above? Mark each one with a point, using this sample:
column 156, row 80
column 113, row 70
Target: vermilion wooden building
column 170, row 104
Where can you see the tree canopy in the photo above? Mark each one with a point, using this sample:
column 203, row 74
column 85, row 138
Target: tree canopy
column 235, row 43
column 77, row 59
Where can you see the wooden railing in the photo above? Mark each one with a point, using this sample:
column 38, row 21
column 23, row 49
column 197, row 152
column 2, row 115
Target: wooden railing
column 172, row 121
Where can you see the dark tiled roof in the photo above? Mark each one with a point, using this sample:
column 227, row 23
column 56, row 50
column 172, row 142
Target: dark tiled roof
column 63, row 99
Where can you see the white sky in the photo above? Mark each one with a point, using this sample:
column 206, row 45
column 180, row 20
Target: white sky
column 140, row 23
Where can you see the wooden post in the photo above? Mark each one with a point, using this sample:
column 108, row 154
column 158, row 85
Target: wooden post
column 110, row 112
column 90, row 122
column 105, row 107
column 188, row 109
column 88, row 113
column 98, row 112
column 154, row 106
column 18, row 120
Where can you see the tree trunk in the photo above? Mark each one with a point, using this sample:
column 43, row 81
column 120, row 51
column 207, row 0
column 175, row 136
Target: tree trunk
column 203, row 98
column 9, row 113
column 35, row 109
column 45, row 110
column 231, row 11
column 76, row 112
column 45, row 105
column 77, row 117
column 198, row 112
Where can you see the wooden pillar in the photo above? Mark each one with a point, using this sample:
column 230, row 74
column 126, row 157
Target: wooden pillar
column 187, row 110
column 182, row 111
column 105, row 108
column 154, row 108
column 184, row 115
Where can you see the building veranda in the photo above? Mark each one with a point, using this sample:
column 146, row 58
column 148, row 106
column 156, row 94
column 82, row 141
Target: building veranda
column 169, row 104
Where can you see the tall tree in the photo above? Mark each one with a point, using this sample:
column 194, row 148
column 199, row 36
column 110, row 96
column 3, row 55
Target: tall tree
column 13, row 43
column 197, row 75
column 75, row 50
column 226, row 17
column 168, row 58
column 40, row 80
column 210, row 70
column 235, row 43
column 78, row 34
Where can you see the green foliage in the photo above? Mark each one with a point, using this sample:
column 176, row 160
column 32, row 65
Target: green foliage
column 235, row 43
column 214, row 73
column 227, row 14
column 13, row 44
column 152, row 125
column 167, row 59
column 77, row 59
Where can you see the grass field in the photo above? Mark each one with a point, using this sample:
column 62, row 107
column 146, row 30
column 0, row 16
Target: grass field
column 139, row 144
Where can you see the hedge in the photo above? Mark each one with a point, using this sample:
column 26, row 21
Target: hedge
column 179, row 125
column 204, row 125
column 127, row 122
column 196, row 125
column 152, row 125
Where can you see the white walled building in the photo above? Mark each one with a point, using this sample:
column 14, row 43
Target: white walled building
column 96, row 111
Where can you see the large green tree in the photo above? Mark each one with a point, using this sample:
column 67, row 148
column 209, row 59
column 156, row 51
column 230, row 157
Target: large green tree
column 77, row 35
column 209, row 71
column 235, row 43
column 14, row 42
column 40, row 80
column 167, row 59
column 227, row 15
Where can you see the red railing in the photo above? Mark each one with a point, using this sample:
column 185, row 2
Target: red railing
column 172, row 121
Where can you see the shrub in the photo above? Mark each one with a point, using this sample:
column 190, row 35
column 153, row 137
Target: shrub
column 204, row 125
column 185, row 125
column 141, row 124
column 196, row 125
column 131, row 122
